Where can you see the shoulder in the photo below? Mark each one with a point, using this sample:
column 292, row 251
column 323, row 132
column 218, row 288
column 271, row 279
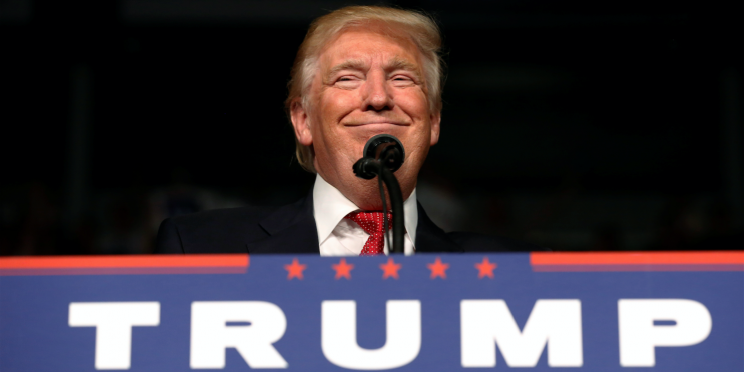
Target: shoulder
column 434, row 239
column 203, row 232
column 223, row 218
column 473, row 242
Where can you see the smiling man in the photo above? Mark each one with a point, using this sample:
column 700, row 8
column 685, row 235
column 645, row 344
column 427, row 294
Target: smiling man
column 361, row 71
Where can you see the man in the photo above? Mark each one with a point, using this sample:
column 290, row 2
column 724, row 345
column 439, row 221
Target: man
column 361, row 71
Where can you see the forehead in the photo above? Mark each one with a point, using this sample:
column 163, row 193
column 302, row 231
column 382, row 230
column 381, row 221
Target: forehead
column 370, row 46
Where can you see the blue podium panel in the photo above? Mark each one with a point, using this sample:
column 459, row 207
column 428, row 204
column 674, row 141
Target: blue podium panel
column 539, row 311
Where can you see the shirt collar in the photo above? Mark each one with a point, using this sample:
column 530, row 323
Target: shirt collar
column 330, row 206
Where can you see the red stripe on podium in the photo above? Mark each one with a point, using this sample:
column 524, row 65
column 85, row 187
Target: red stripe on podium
column 130, row 264
column 638, row 261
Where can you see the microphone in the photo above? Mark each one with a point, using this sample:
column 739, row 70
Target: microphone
column 383, row 154
column 384, row 148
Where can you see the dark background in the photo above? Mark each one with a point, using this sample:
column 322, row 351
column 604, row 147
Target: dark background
column 613, row 125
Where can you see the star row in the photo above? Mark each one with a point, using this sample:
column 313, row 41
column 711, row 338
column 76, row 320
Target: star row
column 390, row 269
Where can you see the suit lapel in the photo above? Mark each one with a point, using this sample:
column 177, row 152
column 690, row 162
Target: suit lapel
column 291, row 229
column 431, row 238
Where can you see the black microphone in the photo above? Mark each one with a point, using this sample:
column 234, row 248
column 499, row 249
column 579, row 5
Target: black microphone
column 384, row 148
column 382, row 155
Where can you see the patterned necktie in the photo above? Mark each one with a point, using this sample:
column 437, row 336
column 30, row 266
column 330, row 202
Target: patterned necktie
column 372, row 224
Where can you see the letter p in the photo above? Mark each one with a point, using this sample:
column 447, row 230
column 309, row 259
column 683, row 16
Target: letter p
column 639, row 336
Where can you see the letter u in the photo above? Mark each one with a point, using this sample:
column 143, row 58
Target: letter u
column 339, row 336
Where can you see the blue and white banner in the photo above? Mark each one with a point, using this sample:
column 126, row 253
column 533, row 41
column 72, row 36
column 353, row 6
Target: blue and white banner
column 540, row 311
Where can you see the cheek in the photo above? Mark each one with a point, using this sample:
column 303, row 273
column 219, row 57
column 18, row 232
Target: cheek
column 417, row 107
column 334, row 104
column 419, row 137
column 414, row 103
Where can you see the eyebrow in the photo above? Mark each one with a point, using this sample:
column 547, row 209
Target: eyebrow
column 402, row 64
column 351, row 64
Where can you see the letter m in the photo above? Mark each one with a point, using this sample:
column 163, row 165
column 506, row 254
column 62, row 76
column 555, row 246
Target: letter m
column 485, row 324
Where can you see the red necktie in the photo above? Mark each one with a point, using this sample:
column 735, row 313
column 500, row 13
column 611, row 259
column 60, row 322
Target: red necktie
column 372, row 224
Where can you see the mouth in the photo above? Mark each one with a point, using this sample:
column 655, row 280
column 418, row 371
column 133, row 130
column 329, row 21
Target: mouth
column 376, row 123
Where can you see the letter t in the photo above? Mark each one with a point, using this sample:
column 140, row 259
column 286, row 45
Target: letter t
column 114, row 322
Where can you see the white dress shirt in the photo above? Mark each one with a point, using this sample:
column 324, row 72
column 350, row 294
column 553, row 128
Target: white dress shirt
column 339, row 236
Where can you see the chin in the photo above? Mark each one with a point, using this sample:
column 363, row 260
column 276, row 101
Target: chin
column 366, row 193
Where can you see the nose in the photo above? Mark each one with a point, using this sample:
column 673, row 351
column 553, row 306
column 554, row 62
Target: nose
column 377, row 94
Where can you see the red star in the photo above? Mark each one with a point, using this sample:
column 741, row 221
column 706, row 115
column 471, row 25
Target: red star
column 295, row 269
column 390, row 269
column 485, row 268
column 343, row 269
column 437, row 269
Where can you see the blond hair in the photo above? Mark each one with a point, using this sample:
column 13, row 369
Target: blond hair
column 420, row 28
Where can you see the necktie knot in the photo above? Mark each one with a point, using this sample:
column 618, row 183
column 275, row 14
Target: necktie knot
column 370, row 222
column 373, row 224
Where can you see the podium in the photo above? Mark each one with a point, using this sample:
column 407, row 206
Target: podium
column 599, row 311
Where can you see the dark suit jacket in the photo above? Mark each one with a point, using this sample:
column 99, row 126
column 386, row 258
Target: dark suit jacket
column 291, row 229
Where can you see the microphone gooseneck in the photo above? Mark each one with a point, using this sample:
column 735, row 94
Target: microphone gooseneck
column 384, row 154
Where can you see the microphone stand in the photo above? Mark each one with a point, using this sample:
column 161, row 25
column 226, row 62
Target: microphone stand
column 368, row 167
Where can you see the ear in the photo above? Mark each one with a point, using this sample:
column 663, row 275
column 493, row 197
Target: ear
column 435, row 119
column 298, row 114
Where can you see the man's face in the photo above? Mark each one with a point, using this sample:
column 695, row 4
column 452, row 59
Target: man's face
column 367, row 83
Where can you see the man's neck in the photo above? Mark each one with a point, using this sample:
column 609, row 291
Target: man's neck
column 364, row 193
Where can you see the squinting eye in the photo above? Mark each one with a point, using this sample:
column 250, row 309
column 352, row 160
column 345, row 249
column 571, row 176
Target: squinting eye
column 402, row 81
column 347, row 82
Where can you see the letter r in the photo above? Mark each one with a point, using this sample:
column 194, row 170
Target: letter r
column 210, row 334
